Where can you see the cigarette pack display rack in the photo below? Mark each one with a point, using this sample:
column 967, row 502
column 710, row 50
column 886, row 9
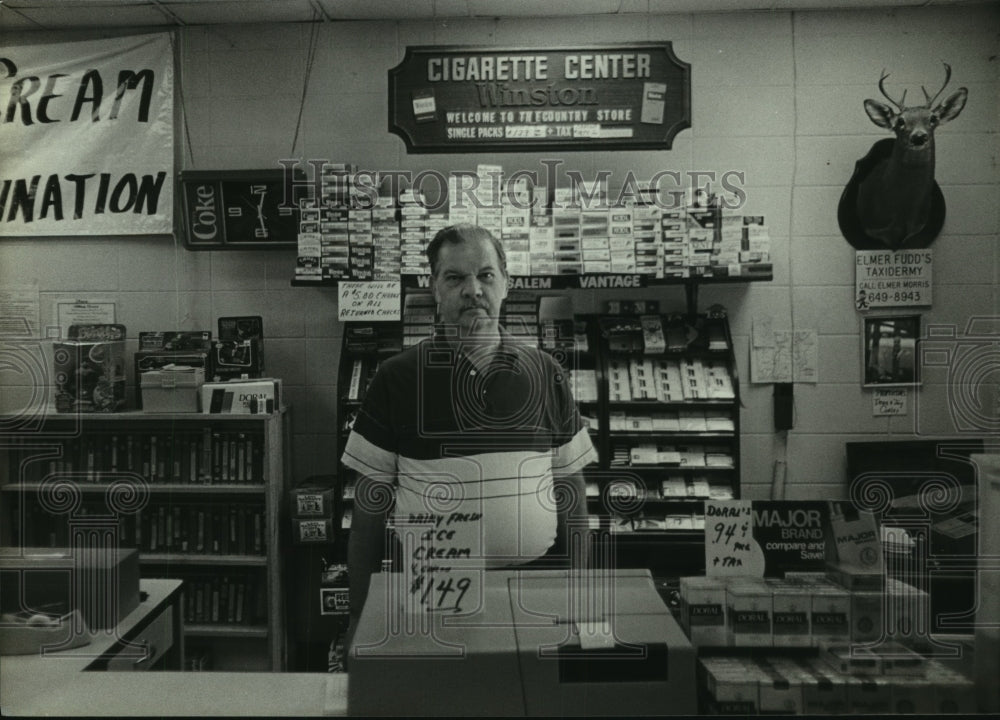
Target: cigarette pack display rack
column 661, row 394
column 199, row 496
column 365, row 346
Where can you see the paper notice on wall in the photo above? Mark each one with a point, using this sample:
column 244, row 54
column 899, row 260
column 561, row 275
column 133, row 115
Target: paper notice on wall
column 889, row 402
column 805, row 356
column 19, row 312
column 782, row 357
column 772, row 364
column 82, row 312
column 368, row 301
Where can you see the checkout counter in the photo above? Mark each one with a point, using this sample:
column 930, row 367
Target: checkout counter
column 529, row 649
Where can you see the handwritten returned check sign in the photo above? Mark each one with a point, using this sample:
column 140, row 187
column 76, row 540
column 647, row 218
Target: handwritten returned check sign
column 368, row 301
column 730, row 548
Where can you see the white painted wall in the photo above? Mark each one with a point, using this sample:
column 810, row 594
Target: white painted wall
column 777, row 95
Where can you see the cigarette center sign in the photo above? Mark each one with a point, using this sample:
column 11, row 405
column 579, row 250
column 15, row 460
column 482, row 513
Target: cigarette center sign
column 892, row 278
column 458, row 99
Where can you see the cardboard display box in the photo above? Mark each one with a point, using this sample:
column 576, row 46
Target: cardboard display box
column 522, row 653
column 172, row 389
column 101, row 584
column 90, row 369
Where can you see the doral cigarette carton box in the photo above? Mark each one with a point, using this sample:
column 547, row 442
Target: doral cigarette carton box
column 749, row 607
column 824, row 691
column 831, row 615
column 851, row 660
column 779, row 693
column 241, row 397
column 90, row 369
column 791, row 612
column 870, row 696
column 953, row 692
column 733, row 688
column 941, row 690
column 173, row 388
column 897, row 660
column 703, row 610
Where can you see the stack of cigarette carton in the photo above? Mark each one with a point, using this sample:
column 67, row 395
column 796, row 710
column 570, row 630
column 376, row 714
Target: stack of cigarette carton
column 309, row 256
column 515, row 233
column 386, row 239
column 412, row 233
column 334, row 208
column 541, row 234
column 812, row 686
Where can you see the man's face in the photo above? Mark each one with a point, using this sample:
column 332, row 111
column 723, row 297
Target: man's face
column 469, row 286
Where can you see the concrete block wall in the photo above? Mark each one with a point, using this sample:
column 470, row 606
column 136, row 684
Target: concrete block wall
column 775, row 95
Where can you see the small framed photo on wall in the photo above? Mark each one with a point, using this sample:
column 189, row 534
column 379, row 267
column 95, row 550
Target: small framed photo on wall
column 890, row 351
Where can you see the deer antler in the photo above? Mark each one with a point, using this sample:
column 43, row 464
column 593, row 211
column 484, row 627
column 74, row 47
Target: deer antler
column 881, row 87
column 947, row 78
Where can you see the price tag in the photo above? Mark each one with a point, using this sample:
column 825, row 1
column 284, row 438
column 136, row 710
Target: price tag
column 730, row 548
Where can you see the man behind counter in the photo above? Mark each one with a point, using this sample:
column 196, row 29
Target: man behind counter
column 469, row 431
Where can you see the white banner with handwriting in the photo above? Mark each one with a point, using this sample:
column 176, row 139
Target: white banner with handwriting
column 86, row 137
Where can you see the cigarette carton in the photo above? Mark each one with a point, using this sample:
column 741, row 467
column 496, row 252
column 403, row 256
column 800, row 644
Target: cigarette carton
column 831, row 615
column 749, row 607
column 778, row 692
column 871, row 696
column 824, row 691
column 732, row 689
column 703, row 610
column 792, row 605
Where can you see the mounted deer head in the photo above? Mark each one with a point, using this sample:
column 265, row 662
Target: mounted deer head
column 894, row 199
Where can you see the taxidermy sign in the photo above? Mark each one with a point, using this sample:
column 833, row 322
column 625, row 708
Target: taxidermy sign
column 892, row 200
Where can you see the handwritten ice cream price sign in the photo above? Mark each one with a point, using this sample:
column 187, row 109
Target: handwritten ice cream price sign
column 454, row 99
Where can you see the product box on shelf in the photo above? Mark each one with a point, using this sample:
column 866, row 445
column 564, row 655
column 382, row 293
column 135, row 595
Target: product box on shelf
column 172, row 389
column 334, row 591
column 312, row 530
column 90, row 369
column 239, row 351
column 241, row 397
column 310, row 501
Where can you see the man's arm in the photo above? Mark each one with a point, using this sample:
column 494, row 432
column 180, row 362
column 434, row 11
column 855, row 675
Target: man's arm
column 571, row 532
column 366, row 545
